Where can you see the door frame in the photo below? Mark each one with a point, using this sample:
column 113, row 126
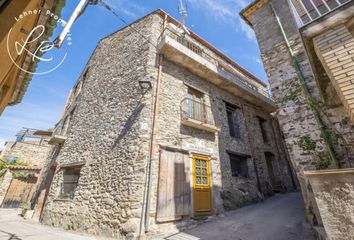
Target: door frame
column 270, row 162
column 193, row 156
column 27, row 185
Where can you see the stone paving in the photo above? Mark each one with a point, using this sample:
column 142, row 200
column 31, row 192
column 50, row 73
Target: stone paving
column 278, row 218
column 281, row 217
column 14, row 227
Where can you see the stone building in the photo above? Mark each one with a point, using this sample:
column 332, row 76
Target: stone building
column 307, row 51
column 25, row 158
column 160, row 129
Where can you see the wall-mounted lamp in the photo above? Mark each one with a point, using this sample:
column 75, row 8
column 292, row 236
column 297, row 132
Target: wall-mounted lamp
column 145, row 84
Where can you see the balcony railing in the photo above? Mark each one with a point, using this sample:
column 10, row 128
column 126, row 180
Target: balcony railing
column 185, row 41
column 307, row 11
column 197, row 114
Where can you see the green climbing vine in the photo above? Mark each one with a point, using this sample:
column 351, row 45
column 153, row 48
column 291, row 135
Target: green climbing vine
column 4, row 165
column 292, row 92
column 323, row 161
column 310, row 100
column 3, row 168
column 308, row 145
column 23, row 175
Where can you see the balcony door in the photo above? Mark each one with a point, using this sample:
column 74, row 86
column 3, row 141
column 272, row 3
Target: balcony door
column 195, row 105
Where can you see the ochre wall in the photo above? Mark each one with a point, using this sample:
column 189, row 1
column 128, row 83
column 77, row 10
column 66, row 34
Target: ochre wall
column 8, row 71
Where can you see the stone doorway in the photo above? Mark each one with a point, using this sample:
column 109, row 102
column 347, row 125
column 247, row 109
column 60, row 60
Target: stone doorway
column 20, row 191
column 270, row 161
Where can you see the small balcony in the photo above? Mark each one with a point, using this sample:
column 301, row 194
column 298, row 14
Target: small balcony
column 198, row 115
column 188, row 52
column 307, row 11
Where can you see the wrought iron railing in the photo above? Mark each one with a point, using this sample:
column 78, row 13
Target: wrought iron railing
column 183, row 39
column 197, row 111
column 307, row 11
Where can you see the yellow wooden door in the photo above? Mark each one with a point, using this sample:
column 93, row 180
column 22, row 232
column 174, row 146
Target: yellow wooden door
column 201, row 186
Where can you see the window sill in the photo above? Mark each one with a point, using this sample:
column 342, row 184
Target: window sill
column 63, row 200
column 199, row 125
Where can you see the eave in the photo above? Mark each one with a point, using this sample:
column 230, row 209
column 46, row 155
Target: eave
column 25, row 78
column 250, row 9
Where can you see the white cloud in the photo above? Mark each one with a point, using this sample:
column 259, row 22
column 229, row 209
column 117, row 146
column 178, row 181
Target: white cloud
column 226, row 11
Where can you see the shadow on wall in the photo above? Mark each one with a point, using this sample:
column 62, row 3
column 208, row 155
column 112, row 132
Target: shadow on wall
column 129, row 123
column 45, row 181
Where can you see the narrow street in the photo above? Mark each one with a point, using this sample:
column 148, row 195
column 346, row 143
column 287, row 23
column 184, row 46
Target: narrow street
column 281, row 217
column 278, row 218
column 14, row 227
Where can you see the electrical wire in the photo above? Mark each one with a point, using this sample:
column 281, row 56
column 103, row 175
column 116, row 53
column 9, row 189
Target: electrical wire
column 109, row 8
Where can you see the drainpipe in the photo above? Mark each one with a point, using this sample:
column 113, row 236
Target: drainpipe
column 250, row 142
column 310, row 101
column 152, row 139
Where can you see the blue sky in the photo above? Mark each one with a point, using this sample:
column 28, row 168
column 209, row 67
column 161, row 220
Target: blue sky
column 217, row 21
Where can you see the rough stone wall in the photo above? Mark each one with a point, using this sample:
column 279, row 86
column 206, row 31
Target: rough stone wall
column 62, row 128
column 4, row 185
column 301, row 131
column 109, row 132
column 334, row 193
column 33, row 153
column 30, row 152
column 295, row 117
column 229, row 192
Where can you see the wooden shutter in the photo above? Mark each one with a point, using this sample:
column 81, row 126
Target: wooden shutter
column 173, row 189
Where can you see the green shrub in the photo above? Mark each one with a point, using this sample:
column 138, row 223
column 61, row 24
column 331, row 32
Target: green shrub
column 23, row 175
column 307, row 144
column 323, row 161
column 3, row 168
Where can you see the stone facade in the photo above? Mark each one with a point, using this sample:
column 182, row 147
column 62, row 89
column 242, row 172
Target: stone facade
column 108, row 123
column 105, row 132
column 312, row 45
column 4, row 184
column 235, row 191
column 30, row 152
